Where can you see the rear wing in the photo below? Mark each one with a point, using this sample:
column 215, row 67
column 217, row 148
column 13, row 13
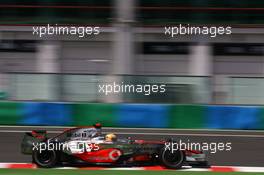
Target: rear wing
column 32, row 138
column 39, row 134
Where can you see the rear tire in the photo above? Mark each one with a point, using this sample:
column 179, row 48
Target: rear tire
column 45, row 159
column 173, row 160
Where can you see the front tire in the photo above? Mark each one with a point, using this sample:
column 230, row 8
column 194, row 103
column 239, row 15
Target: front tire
column 45, row 159
column 172, row 160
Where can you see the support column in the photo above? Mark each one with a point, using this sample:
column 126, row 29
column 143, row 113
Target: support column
column 123, row 37
column 201, row 65
column 123, row 45
column 47, row 58
column 3, row 82
column 48, row 64
column 201, row 60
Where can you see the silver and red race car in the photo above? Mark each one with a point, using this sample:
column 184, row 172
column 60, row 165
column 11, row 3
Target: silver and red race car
column 84, row 146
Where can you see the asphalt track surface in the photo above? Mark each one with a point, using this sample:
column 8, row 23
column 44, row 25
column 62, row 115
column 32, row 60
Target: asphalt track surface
column 247, row 146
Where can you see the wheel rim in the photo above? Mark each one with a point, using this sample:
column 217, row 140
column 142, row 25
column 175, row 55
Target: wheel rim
column 173, row 159
column 45, row 157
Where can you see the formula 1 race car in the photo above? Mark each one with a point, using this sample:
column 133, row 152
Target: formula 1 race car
column 88, row 146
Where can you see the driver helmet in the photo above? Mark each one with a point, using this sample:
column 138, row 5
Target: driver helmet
column 110, row 137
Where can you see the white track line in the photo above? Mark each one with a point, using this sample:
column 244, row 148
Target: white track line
column 189, row 134
column 250, row 169
column 17, row 131
column 151, row 129
column 156, row 134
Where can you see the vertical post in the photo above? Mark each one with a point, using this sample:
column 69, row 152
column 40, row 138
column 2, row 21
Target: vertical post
column 3, row 81
column 123, row 45
column 201, row 60
column 48, row 63
column 47, row 58
column 123, row 37
column 201, row 64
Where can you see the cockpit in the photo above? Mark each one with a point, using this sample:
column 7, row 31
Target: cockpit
column 79, row 134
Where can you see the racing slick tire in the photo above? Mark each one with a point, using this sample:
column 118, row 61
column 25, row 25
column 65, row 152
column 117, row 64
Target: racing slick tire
column 172, row 160
column 45, row 159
